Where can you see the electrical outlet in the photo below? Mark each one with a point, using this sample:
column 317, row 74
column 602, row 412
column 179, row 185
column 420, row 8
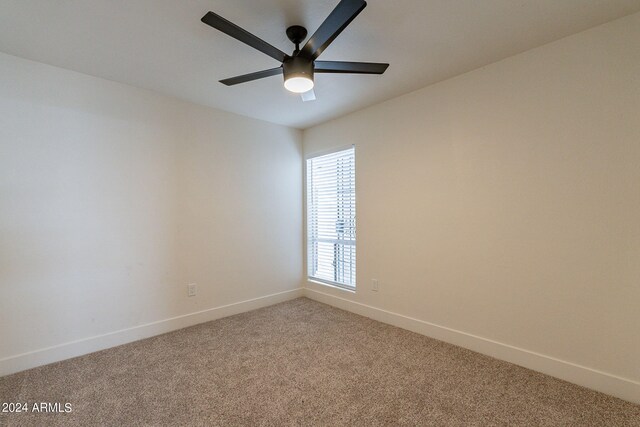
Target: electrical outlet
column 192, row 289
column 375, row 286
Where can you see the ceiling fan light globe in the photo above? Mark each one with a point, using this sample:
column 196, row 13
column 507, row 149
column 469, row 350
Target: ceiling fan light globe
column 298, row 84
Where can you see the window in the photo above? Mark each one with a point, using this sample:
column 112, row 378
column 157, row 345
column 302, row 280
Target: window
column 331, row 218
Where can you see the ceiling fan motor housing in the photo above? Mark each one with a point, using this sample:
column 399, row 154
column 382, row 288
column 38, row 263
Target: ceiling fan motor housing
column 296, row 66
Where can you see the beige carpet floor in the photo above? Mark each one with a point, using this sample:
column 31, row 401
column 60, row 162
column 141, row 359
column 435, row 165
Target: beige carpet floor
column 302, row 363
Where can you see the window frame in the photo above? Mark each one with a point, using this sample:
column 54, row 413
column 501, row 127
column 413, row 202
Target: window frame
column 325, row 282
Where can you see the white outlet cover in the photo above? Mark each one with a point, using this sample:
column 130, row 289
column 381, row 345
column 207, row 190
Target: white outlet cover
column 192, row 289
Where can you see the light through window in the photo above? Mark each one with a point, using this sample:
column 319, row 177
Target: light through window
column 331, row 218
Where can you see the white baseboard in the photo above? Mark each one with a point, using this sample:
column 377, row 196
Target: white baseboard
column 32, row 359
column 613, row 385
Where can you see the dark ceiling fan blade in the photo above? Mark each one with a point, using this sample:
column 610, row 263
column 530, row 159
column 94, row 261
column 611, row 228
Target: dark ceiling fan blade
column 350, row 67
column 231, row 29
column 252, row 76
column 338, row 19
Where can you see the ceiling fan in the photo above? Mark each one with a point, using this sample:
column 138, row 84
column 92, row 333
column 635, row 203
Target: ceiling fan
column 299, row 67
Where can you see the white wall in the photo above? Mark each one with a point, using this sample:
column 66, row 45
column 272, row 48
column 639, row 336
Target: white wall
column 505, row 203
column 113, row 199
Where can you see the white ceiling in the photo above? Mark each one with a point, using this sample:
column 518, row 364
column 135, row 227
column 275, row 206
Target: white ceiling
column 162, row 45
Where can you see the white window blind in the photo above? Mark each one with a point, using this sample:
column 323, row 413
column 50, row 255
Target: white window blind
column 331, row 218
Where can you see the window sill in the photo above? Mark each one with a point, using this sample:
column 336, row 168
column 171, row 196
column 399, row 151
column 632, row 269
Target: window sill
column 340, row 288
